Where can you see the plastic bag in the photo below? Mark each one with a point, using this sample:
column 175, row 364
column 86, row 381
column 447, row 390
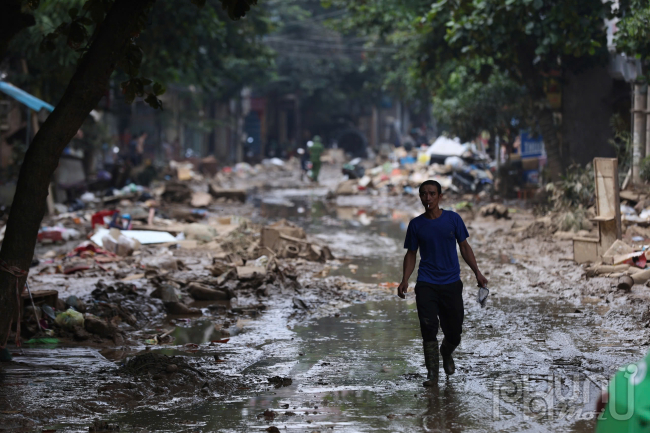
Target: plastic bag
column 69, row 319
column 483, row 293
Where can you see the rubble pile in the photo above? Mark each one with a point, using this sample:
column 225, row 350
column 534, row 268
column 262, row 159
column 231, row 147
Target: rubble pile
column 196, row 264
column 457, row 167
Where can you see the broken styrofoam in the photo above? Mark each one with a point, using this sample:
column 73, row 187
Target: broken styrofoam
column 145, row 237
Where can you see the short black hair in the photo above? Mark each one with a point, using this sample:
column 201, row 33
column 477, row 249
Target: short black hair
column 431, row 182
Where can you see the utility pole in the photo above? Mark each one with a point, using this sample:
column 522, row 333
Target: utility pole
column 647, row 123
column 639, row 135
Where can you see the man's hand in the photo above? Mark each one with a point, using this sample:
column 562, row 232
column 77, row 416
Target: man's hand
column 481, row 280
column 402, row 289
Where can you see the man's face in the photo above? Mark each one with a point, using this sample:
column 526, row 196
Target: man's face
column 429, row 196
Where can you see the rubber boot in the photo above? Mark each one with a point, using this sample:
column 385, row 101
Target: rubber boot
column 446, row 350
column 432, row 361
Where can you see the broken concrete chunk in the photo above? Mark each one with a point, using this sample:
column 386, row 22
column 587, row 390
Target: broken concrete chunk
column 164, row 262
column 347, row 187
column 200, row 232
column 177, row 192
column 201, row 199
column 220, row 267
column 95, row 325
column 201, row 292
column 233, row 194
column 248, row 272
column 300, row 304
column 180, row 309
column 166, row 292
column 497, row 210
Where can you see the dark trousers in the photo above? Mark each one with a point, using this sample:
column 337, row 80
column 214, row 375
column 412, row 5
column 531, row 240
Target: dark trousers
column 440, row 304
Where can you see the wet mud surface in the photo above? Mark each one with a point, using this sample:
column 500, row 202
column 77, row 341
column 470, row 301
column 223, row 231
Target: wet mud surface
column 533, row 359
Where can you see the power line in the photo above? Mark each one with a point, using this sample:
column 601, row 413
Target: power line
column 318, row 44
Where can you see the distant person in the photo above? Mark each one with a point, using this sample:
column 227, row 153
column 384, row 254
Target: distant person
column 141, row 141
column 304, row 162
column 133, row 156
column 315, row 152
column 439, row 289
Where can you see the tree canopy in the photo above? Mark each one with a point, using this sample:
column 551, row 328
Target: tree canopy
column 633, row 35
column 504, row 50
column 181, row 44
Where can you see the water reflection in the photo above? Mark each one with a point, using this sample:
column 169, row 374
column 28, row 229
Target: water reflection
column 442, row 415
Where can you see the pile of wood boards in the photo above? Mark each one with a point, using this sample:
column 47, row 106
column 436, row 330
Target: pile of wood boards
column 287, row 240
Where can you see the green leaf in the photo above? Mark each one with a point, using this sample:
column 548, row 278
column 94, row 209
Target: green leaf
column 158, row 89
column 134, row 55
column 128, row 90
column 47, row 44
column 73, row 12
column 85, row 21
column 63, row 29
column 529, row 27
column 154, row 102
column 199, row 3
column 237, row 8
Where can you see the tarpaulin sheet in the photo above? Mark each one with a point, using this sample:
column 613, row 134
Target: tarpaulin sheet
column 25, row 98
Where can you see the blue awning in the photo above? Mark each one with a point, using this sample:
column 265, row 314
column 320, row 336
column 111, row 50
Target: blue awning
column 21, row 96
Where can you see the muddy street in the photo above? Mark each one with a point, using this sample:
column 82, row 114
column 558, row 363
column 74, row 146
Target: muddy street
column 535, row 358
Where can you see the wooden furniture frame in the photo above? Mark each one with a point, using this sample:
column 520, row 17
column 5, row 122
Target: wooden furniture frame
column 608, row 213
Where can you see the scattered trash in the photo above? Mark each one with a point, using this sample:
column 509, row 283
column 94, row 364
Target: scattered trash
column 69, row 319
column 280, row 382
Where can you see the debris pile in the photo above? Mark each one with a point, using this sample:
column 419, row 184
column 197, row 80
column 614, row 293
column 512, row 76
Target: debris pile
column 457, row 167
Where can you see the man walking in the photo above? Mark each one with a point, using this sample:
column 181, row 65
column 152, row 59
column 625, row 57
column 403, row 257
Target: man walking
column 439, row 290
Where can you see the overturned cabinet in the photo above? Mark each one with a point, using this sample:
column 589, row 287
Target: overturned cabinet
column 608, row 213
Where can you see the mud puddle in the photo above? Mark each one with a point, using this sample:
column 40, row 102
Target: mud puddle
column 523, row 365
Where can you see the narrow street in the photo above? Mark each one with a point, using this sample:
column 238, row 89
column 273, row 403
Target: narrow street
column 214, row 215
column 533, row 359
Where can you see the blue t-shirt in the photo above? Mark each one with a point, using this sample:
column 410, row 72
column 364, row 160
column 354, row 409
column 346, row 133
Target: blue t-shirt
column 436, row 240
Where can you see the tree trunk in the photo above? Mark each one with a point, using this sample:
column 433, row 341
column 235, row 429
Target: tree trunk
column 84, row 91
column 12, row 21
column 551, row 143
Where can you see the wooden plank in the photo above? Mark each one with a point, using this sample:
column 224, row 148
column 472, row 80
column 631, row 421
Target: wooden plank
column 605, row 195
column 603, row 218
column 173, row 229
column 608, row 235
column 585, row 251
column 607, row 202
column 630, row 195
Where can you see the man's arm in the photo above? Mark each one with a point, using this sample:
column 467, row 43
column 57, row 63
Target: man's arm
column 468, row 256
column 407, row 270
